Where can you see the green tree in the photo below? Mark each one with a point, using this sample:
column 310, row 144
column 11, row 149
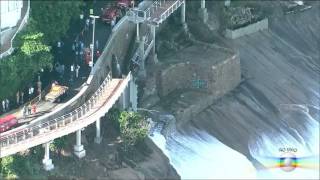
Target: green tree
column 133, row 129
column 54, row 17
column 6, row 167
column 114, row 115
column 22, row 165
column 18, row 70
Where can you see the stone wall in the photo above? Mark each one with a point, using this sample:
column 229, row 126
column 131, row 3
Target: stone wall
column 218, row 78
column 252, row 28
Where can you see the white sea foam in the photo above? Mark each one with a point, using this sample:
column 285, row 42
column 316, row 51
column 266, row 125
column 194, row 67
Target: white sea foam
column 201, row 156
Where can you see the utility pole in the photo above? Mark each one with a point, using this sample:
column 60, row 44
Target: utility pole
column 92, row 45
column 39, row 84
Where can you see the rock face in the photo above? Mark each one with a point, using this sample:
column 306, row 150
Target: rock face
column 282, row 67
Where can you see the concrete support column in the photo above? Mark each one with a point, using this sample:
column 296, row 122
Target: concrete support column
column 203, row 4
column 78, row 148
column 124, row 99
column 47, row 162
column 138, row 32
column 133, row 95
column 183, row 13
column 227, row 3
column 154, row 53
column 98, row 137
column 142, row 71
column 203, row 13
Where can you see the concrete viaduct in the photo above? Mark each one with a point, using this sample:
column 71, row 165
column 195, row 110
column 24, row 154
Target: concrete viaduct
column 103, row 91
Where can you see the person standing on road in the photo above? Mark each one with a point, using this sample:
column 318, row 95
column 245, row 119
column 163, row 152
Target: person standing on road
column 86, row 27
column 73, row 47
column 7, row 104
column 22, row 95
column 62, row 70
column 34, row 108
column 18, row 97
column 29, row 109
column 81, row 46
column 97, row 44
column 113, row 22
column 97, row 54
column 77, row 70
column 24, row 111
column 3, row 105
column 81, row 55
column 77, row 57
column 31, row 89
column 76, row 44
column 71, row 72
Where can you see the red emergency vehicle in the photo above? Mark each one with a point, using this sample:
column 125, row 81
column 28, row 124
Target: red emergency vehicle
column 110, row 14
column 87, row 55
column 125, row 4
column 7, row 122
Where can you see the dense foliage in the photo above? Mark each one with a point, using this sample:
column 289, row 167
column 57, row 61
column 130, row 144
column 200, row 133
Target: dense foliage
column 133, row 129
column 48, row 23
column 18, row 70
column 54, row 17
column 131, row 126
column 22, row 165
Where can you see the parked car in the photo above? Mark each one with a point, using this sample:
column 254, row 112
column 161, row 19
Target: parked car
column 7, row 122
column 110, row 14
column 125, row 4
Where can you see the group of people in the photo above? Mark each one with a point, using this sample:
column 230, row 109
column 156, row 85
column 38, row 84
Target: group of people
column 74, row 70
column 28, row 110
column 5, row 105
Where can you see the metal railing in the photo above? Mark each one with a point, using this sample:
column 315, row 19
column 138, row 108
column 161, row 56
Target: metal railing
column 43, row 127
column 136, row 59
column 170, row 10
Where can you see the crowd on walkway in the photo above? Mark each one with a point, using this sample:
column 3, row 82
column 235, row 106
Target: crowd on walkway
column 7, row 104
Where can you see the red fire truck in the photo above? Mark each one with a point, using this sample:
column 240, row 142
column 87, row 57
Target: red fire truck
column 110, row 14
column 7, row 122
column 125, row 4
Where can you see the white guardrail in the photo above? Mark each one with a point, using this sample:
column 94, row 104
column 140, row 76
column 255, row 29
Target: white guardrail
column 42, row 132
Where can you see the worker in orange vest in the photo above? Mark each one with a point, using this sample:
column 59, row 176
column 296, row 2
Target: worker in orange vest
column 34, row 108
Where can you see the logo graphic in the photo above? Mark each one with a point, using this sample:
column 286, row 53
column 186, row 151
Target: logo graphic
column 288, row 162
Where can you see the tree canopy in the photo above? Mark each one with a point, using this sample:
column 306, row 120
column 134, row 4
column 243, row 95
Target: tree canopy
column 48, row 22
column 53, row 17
column 133, row 129
column 17, row 70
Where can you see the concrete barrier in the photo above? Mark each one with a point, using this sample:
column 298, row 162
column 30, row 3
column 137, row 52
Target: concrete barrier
column 252, row 28
column 217, row 78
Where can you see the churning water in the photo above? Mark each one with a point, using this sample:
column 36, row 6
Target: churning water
column 244, row 134
column 201, row 156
